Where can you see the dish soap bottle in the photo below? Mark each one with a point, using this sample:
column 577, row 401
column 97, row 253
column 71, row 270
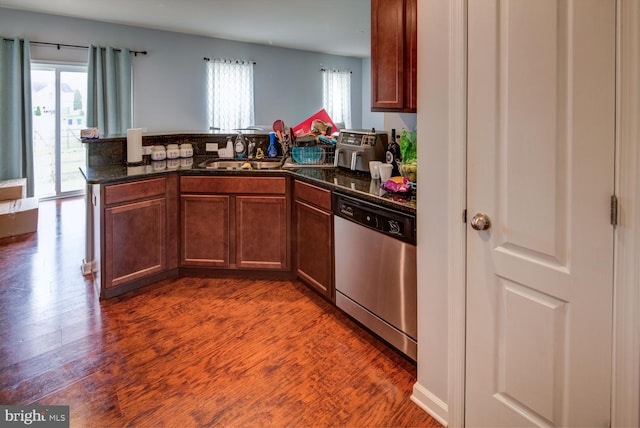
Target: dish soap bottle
column 272, row 151
column 240, row 147
column 227, row 152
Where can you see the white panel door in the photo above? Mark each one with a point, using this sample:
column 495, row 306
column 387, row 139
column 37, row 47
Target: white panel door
column 541, row 166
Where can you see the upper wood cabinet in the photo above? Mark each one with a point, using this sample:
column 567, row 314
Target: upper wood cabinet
column 393, row 55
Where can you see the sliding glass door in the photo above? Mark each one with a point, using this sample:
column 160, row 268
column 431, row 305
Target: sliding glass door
column 59, row 95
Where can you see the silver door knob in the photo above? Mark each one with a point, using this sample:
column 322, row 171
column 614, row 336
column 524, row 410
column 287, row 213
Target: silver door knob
column 481, row 221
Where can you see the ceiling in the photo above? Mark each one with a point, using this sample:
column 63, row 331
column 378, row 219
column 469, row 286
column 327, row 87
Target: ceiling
column 340, row 27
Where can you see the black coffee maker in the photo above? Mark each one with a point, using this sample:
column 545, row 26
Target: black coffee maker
column 393, row 155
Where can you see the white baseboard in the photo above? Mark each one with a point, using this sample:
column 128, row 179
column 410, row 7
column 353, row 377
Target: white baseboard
column 88, row 267
column 431, row 404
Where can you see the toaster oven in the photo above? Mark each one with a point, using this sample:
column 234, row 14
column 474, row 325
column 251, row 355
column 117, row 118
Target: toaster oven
column 355, row 148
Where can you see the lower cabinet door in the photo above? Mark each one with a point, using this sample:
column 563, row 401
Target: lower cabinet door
column 135, row 239
column 205, row 230
column 314, row 233
column 262, row 232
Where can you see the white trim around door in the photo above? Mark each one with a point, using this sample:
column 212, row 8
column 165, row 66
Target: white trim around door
column 442, row 109
column 457, row 206
column 625, row 411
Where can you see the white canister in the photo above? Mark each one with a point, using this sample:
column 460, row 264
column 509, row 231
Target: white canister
column 158, row 153
column 173, row 151
column 374, row 169
column 159, row 165
column 385, row 171
column 186, row 162
column 186, row 150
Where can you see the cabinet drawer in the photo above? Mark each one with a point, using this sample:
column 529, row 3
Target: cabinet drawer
column 243, row 185
column 312, row 194
column 117, row 193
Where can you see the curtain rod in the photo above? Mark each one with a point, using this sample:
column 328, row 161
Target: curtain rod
column 236, row 61
column 326, row 69
column 64, row 45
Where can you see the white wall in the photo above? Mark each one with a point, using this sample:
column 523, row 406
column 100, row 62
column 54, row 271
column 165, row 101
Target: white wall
column 400, row 121
column 431, row 389
column 169, row 82
column 369, row 119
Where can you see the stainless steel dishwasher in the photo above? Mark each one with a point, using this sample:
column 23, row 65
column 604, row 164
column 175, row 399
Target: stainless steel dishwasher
column 375, row 269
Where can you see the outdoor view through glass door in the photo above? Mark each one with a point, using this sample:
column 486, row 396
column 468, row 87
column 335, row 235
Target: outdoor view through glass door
column 59, row 96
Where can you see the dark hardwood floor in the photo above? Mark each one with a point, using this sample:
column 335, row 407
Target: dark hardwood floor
column 185, row 352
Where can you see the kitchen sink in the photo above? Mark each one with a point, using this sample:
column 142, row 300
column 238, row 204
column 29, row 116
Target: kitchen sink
column 266, row 164
column 240, row 164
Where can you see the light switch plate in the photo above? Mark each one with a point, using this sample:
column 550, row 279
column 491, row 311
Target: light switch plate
column 211, row 147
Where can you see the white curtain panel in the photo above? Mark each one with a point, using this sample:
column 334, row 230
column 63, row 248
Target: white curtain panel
column 230, row 90
column 336, row 95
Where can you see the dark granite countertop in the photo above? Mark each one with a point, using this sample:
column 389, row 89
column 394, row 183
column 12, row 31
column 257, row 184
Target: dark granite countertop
column 357, row 184
column 354, row 183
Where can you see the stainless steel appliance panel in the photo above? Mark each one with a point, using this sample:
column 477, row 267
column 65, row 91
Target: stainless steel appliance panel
column 375, row 271
column 371, row 270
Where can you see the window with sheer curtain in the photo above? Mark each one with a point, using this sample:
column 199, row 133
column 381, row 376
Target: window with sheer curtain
column 229, row 94
column 336, row 95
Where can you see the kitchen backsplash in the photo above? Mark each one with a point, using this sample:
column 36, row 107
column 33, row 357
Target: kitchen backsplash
column 113, row 150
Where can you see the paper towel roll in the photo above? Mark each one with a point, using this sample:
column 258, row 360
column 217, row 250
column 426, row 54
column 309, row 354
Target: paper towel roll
column 134, row 145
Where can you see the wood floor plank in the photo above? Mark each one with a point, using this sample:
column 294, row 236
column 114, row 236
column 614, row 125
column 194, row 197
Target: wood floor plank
column 185, row 352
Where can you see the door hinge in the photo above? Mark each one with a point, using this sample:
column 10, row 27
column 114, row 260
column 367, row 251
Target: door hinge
column 614, row 210
column 464, row 216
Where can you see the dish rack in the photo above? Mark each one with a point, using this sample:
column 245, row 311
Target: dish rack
column 313, row 155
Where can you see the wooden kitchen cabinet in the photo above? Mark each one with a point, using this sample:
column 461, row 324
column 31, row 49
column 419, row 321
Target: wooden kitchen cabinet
column 261, row 225
column 205, row 230
column 138, row 243
column 393, row 55
column 251, row 218
column 314, row 238
column 135, row 241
